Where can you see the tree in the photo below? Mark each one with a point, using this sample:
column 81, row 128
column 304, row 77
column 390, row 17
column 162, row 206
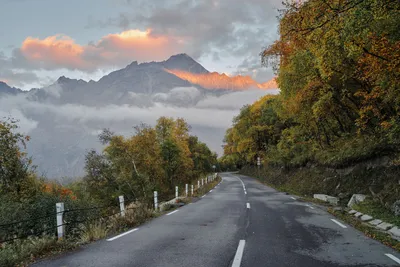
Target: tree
column 15, row 166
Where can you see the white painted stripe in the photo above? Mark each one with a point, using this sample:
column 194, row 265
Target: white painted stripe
column 239, row 254
column 338, row 223
column 204, row 195
column 121, row 235
column 245, row 192
column 311, row 207
column 293, row 198
column 210, row 190
column 172, row 212
column 393, row 258
column 248, row 205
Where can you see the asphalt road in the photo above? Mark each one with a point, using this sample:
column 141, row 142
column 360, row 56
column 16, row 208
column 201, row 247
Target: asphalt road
column 239, row 223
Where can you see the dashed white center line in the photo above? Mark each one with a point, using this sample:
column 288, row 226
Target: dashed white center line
column 248, row 205
column 121, row 235
column 338, row 223
column 393, row 258
column 239, row 254
column 172, row 212
column 293, row 198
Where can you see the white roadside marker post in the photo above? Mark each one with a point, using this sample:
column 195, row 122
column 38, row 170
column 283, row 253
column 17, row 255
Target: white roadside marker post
column 155, row 200
column 186, row 189
column 60, row 224
column 176, row 192
column 192, row 189
column 122, row 205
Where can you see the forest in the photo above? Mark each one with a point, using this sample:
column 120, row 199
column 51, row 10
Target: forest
column 338, row 70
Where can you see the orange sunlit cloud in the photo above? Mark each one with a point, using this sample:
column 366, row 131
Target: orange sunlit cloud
column 222, row 81
column 61, row 51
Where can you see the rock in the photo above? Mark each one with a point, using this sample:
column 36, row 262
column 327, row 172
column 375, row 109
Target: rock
column 321, row 197
column 384, row 226
column 395, row 231
column 375, row 222
column 355, row 199
column 396, row 208
column 358, row 214
column 332, row 200
column 352, row 212
column 366, row 218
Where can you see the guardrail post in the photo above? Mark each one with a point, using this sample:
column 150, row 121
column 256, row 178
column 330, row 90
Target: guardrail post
column 202, row 182
column 176, row 192
column 186, row 189
column 198, row 184
column 156, row 200
column 122, row 205
column 192, row 190
column 60, row 223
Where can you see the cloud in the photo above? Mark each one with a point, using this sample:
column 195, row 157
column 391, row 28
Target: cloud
column 25, row 124
column 62, row 52
column 213, row 25
column 233, row 101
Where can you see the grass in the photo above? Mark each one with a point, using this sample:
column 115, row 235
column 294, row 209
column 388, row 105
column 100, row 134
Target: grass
column 93, row 231
column 22, row 252
column 376, row 210
column 369, row 231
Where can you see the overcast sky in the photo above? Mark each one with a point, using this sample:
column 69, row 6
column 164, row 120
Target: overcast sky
column 41, row 40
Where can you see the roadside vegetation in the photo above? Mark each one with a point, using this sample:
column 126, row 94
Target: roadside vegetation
column 335, row 126
column 153, row 159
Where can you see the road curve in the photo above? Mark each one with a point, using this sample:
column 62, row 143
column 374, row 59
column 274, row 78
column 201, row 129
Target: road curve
column 241, row 223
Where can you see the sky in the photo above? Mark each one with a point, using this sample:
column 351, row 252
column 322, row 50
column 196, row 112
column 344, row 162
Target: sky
column 41, row 40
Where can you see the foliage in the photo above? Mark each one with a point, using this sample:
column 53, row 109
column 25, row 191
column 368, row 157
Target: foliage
column 338, row 66
column 15, row 165
column 155, row 158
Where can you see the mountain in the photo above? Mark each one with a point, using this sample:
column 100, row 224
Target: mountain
column 217, row 81
column 5, row 89
column 64, row 118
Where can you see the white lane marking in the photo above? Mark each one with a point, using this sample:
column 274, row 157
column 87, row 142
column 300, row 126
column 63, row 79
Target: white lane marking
column 245, row 192
column 248, row 205
column 393, row 258
column 244, row 187
column 311, row 207
column 293, row 198
column 239, row 254
column 172, row 212
column 338, row 223
column 204, row 196
column 121, row 235
column 210, row 190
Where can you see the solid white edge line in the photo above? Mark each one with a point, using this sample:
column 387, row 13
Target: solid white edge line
column 248, row 205
column 204, row 196
column 172, row 212
column 121, row 235
column 210, row 190
column 338, row 223
column 293, row 198
column 311, row 207
column 393, row 257
column 239, row 254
